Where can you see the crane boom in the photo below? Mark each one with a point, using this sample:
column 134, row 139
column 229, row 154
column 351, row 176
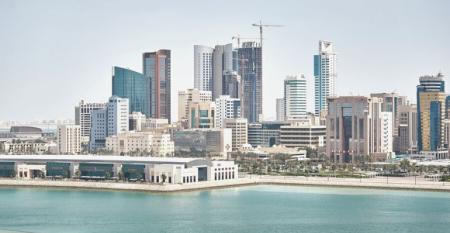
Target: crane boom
column 261, row 25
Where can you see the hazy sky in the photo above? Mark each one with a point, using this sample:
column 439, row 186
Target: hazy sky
column 54, row 53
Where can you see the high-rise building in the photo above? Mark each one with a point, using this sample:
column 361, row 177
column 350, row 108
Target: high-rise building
column 431, row 113
column 232, row 84
column 190, row 95
column 391, row 103
column 407, row 129
column 69, row 139
column 201, row 115
column 250, row 57
column 83, row 118
column 203, row 67
column 295, row 97
column 157, row 67
column 324, row 75
column 109, row 121
column 280, row 109
column 239, row 132
column 226, row 108
column 136, row 120
column 354, row 128
column 222, row 62
column 134, row 86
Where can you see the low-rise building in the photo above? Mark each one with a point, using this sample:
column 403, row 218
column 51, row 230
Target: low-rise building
column 265, row 134
column 239, row 133
column 203, row 142
column 141, row 143
column 20, row 147
column 303, row 135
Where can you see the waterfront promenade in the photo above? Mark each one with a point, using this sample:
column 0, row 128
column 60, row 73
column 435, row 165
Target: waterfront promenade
column 410, row 183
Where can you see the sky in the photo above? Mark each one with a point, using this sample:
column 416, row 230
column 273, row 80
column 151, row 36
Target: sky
column 55, row 53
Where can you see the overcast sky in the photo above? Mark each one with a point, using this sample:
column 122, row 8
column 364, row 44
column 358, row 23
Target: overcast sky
column 54, row 53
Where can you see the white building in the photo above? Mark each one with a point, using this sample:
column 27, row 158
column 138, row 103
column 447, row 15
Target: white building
column 136, row 121
column 203, row 67
column 190, row 95
column 109, row 121
column 324, row 75
column 239, row 131
column 295, row 97
column 226, row 108
column 303, row 135
column 29, row 147
column 83, row 117
column 140, row 143
column 69, row 139
column 280, row 109
column 386, row 132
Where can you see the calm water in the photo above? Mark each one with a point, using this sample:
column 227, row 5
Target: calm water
column 245, row 209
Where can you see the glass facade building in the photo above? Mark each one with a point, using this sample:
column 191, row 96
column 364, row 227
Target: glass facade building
column 135, row 87
column 430, row 113
column 156, row 67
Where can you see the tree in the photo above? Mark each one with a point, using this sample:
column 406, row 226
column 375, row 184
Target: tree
column 405, row 165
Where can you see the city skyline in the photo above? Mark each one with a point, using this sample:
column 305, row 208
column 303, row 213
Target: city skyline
column 399, row 43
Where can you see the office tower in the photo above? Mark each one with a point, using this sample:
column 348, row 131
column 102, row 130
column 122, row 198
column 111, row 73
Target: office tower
column 407, row 129
column 430, row 113
column 447, row 107
column 324, row 75
column 239, row 134
column 250, row 70
column 83, row 118
column 280, row 109
column 232, row 84
column 201, row 115
column 226, row 108
column 222, row 61
column 295, row 97
column 353, row 128
column 203, row 67
column 134, row 86
column 157, row 67
column 111, row 120
column 69, row 139
column 391, row 103
column 190, row 95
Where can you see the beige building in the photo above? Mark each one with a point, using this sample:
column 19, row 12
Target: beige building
column 190, row 95
column 140, row 143
column 356, row 129
column 239, row 131
column 69, row 139
column 201, row 115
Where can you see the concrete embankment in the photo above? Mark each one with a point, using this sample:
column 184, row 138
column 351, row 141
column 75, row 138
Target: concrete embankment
column 272, row 180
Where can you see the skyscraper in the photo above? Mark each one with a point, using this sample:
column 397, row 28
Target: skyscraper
column 222, row 62
column 157, row 67
column 232, row 84
column 430, row 113
column 295, row 97
column 188, row 96
column 203, row 68
column 324, row 75
column 407, row 129
column 250, row 57
column 134, row 86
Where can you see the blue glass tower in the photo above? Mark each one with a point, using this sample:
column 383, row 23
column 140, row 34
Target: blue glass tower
column 134, row 86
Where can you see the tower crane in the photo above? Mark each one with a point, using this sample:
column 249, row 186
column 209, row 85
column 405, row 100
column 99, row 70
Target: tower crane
column 261, row 25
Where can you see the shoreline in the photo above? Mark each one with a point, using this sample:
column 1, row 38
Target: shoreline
column 211, row 185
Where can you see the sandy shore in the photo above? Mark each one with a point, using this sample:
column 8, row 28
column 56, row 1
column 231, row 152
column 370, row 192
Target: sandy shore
column 379, row 182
